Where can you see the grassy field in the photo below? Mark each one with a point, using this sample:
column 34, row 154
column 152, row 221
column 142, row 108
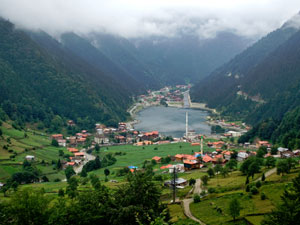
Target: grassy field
column 16, row 144
column 252, row 206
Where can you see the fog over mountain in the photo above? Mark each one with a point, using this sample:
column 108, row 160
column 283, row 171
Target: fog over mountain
column 139, row 18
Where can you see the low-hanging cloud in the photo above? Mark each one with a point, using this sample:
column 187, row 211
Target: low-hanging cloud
column 139, row 18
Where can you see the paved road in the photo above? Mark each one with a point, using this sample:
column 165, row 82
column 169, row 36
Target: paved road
column 186, row 202
column 87, row 157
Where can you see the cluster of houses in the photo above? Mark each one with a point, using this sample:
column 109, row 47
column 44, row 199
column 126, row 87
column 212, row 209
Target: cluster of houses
column 123, row 135
column 78, row 139
column 77, row 158
column 167, row 94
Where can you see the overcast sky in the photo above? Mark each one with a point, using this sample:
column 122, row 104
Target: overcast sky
column 136, row 18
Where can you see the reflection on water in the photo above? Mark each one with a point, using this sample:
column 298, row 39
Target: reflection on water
column 171, row 121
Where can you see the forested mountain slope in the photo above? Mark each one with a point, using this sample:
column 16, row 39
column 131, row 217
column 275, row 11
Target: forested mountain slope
column 124, row 54
column 87, row 52
column 186, row 57
column 220, row 88
column 36, row 86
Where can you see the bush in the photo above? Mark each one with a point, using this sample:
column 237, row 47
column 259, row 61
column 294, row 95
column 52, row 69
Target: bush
column 56, row 180
column 192, row 181
column 254, row 190
column 263, row 196
column 203, row 193
column 158, row 177
column 211, row 190
column 247, row 188
column 197, row 198
column 258, row 184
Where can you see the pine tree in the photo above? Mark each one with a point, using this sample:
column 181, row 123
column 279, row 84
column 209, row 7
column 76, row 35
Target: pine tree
column 289, row 211
column 263, row 177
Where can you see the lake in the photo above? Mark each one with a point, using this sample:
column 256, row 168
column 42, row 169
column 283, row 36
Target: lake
column 171, row 121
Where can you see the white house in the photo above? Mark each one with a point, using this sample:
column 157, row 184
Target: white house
column 242, row 156
column 29, row 157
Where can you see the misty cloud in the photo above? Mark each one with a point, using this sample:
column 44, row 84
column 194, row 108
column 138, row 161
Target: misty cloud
column 136, row 18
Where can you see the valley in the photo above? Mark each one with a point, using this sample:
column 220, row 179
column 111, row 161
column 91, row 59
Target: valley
column 163, row 117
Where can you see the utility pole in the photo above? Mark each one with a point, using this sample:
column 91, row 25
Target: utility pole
column 174, row 184
column 201, row 146
column 186, row 125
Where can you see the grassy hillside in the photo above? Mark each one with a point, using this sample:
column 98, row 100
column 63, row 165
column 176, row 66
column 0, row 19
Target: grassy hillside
column 16, row 144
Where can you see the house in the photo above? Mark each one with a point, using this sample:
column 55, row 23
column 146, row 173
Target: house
column 287, row 154
column 166, row 167
column 178, row 167
column 29, row 157
column 57, row 136
column 296, row 152
column 218, row 159
column 73, row 150
column 150, row 135
column 81, row 140
column 120, row 138
column 157, row 159
column 227, row 155
column 178, row 157
column 71, row 163
column 206, row 158
column 242, row 156
column 79, row 155
column 72, row 140
column 71, row 123
column 234, row 133
column 262, row 143
column 282, row 150
column 141, row 143
column 62, row 142
column 178, row 182
column 195, row 144
column 190, row 165
column 217, row 144
column 101, row 139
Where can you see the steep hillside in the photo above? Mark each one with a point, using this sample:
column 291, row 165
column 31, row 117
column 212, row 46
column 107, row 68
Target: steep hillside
column 36, row 86
column 87, row 52
column 221, row 87
column 186, row 58
column 124, row 54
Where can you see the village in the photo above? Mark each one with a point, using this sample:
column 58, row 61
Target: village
column 217, row 148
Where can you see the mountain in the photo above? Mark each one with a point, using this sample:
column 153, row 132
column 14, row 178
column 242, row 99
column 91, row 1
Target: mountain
column 242, row 86
column 124, row 54
column 83, row 49
column 186, row 57
column 37, row 85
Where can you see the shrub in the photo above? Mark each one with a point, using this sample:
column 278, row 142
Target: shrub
column 247, row 188
column 263, row 196
column 211, row 190
column 203, row 193
column 192, row 181
column 56, row 180
column 254, row 190
column 197, row 198
column 258, row 184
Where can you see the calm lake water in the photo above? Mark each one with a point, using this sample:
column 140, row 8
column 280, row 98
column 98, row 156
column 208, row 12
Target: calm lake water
column 171, row 121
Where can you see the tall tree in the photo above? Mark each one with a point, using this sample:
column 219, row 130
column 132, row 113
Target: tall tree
column 288, row 212
column 234, row 208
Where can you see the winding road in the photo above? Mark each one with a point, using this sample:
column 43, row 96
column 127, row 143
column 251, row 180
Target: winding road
column 186, row 203
column 197, row 190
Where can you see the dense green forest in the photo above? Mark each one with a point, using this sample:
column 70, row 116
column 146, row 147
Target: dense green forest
column 136, row 202
column 36, row 86
column 285, row 132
